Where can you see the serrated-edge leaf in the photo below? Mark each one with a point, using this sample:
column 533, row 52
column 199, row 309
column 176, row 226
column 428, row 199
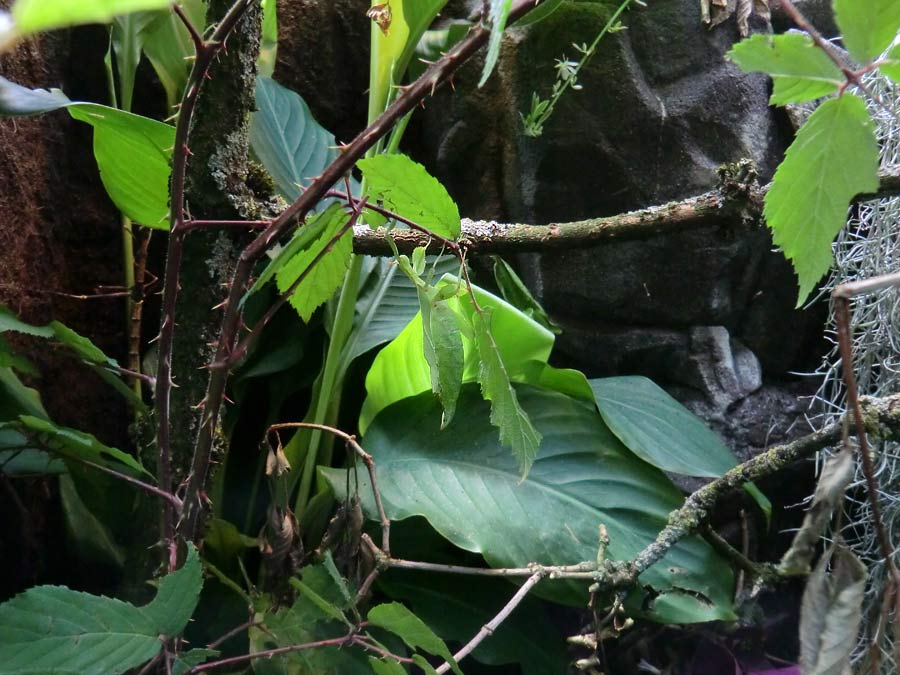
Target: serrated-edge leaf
column 443, row 352
column 409, row 190
column 516, row 429
column 54, row 629
column 386, row 666
column 327, row 272
column 398, row 619
column 833, row 158
column 867, row 28
column 800, row 71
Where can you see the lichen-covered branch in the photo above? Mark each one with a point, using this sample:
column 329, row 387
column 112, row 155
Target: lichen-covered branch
column 717, row 207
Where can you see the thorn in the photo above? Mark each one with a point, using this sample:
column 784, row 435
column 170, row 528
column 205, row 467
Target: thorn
column 201, row 405
column 187, row 150
column 220, row 305
column 227, row 400
column 152, row 340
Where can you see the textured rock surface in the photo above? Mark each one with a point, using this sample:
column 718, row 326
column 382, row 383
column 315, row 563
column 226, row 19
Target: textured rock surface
column 659, row 112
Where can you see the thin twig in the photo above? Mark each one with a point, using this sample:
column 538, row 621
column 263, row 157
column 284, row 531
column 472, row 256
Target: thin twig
column 488, row 629
column 234, row 631
column 269, row 653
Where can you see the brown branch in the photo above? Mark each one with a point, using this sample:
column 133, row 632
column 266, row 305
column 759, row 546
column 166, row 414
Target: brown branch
column 206, row 52
column 436, row 75
column 716, row 207
column 269, row 653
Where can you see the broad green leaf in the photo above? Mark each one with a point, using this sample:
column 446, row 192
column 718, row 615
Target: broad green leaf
column 286, row 138
column 516, row 293
column 405, row 187
column 53, row 629
column 800, row 71
column 469, row 488
column 10, row 322
column 17, row 399
column 660, row 430
column 400, row 369
column 892, row 67
column 867, row 28
column 133, row 155
column 830, row 613
column 321, row 264
column 499, row 11
column 73, row 444
column 833, row 158
column 127, row 34
column 31, row 16
column 18, row 455
column 528, row 637
column 168, row 47
column 17, row 100
column 516, row 429
column 397, row 619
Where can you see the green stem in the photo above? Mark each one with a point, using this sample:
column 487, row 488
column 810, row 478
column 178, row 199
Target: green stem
column 330, row 388
column 129, row 281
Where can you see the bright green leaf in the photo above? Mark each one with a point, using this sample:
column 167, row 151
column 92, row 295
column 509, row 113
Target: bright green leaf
column 867, row 28
column 10, row 322
column 133, row 155
column 31, row 16
column 409, row 190
column 833, row 158
column 516, row 429
column 400, row 369
column 321, row 264
column 539, row 13
column 660, row 430
column 391, row 50
column 268, row 44
column 800, row 71
column 286, row 138
column 469, row 488
column 499, row 12
column 53, row 629
column 397, row 619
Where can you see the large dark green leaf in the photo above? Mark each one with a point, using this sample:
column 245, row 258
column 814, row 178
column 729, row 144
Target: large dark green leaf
column 660, row 430
column 51, row 629
column 286, row 138
column 469, row 488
